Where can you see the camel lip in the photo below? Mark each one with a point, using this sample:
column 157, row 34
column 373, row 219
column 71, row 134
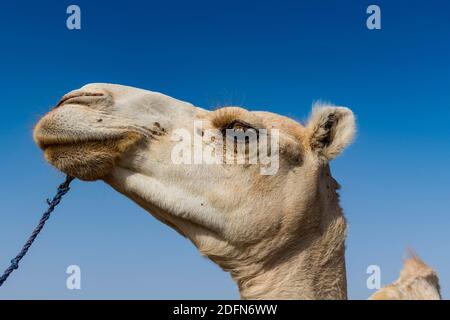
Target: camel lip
column 51, row 141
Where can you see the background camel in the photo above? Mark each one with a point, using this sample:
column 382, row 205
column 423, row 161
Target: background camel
column 417, row 282
column 280, row 236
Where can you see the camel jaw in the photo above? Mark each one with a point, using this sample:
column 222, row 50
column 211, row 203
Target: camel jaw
column 87, row 158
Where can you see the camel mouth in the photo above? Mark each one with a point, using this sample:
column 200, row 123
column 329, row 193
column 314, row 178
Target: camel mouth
column 89, row 158
column 46, row 142
column 74, row 142
column 49, row 133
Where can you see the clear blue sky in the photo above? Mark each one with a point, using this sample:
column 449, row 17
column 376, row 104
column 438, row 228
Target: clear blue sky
column 268, row 55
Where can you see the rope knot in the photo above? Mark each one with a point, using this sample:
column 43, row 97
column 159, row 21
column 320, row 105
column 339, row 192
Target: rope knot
column 15, row 263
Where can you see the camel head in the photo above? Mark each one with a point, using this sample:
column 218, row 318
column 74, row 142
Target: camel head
column 250, row 218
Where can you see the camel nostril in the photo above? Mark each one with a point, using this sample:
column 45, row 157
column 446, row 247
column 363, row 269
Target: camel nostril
column 77, row 97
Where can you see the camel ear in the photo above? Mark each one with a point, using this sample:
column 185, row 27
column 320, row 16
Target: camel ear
column 331, row 129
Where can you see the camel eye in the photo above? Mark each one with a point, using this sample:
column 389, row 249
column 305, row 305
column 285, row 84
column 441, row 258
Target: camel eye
column 237, row 126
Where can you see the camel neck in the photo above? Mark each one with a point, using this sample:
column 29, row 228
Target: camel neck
column 312, row 264
column 309, row 274
column 299, row 279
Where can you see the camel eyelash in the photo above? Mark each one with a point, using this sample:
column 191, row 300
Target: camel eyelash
column 231, row 118
column 237, row 124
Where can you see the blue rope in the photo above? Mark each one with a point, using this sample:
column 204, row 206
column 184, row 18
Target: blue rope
column 62, row 190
